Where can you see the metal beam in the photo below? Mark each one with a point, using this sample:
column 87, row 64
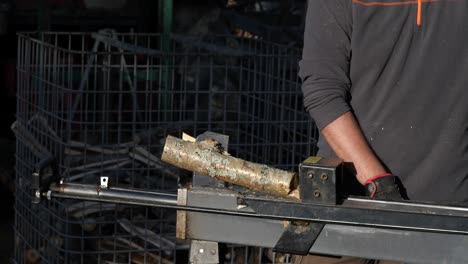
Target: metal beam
column 339, row 240
column 220, row 215
column 357, row 212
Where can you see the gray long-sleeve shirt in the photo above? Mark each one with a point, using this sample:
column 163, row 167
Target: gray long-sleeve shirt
column 401, row 66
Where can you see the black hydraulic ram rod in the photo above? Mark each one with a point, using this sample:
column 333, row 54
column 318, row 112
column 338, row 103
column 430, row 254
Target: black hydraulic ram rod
column 113, row 195
column 359, row 212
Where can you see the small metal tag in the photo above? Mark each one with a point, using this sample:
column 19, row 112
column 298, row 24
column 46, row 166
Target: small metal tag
column 104, row 181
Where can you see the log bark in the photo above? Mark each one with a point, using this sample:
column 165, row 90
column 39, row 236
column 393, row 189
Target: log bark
column 208, row 159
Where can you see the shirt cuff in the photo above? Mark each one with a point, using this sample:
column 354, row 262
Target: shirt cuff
column 328, row 112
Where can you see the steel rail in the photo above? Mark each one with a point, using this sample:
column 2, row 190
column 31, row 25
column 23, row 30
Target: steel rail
column 353, row 211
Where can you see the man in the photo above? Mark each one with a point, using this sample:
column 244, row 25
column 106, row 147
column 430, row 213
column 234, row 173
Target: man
column 386, row 82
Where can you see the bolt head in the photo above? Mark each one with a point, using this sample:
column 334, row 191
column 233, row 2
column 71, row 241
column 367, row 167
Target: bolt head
column 213, row 252
column 38, row 194
column 324, row 177
column 317, row 194
column 310, row 175
column 201, row 250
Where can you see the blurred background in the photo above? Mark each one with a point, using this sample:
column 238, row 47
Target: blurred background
column 278, row 21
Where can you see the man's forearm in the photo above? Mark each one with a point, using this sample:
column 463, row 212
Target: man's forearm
column 347, row 141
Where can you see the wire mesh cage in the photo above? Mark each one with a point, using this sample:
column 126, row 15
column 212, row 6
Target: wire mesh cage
column 101, row 104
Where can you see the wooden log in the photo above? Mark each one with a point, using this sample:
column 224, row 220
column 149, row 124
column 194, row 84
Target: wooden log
column 208, row 159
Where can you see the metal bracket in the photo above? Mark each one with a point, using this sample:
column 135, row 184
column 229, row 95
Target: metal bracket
column 181, row 224
column 318, row 183
column 201, row 252
column 298, row 238
column 318, row 180
column 44, row 173
column 204, row 252
column 104, row 182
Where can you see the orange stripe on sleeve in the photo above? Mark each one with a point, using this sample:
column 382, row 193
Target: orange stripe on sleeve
column 418, row 19
column 396, row 3
column 385, row 3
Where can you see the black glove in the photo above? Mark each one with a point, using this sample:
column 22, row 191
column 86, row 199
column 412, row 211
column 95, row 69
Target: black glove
column 383, row 187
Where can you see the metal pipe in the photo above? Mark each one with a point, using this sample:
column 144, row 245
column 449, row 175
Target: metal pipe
column 139, row 196
column 116, row 195
column 358, row 212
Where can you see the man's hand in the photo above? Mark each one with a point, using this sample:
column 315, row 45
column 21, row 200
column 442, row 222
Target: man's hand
column 383, row 187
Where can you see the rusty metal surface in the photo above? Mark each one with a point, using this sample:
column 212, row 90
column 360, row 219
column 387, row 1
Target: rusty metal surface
column 298, row 238
column 208, row 159
column 181, row 224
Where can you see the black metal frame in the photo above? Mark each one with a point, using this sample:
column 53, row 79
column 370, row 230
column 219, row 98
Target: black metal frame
column 306, row 218
column 353, row 211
